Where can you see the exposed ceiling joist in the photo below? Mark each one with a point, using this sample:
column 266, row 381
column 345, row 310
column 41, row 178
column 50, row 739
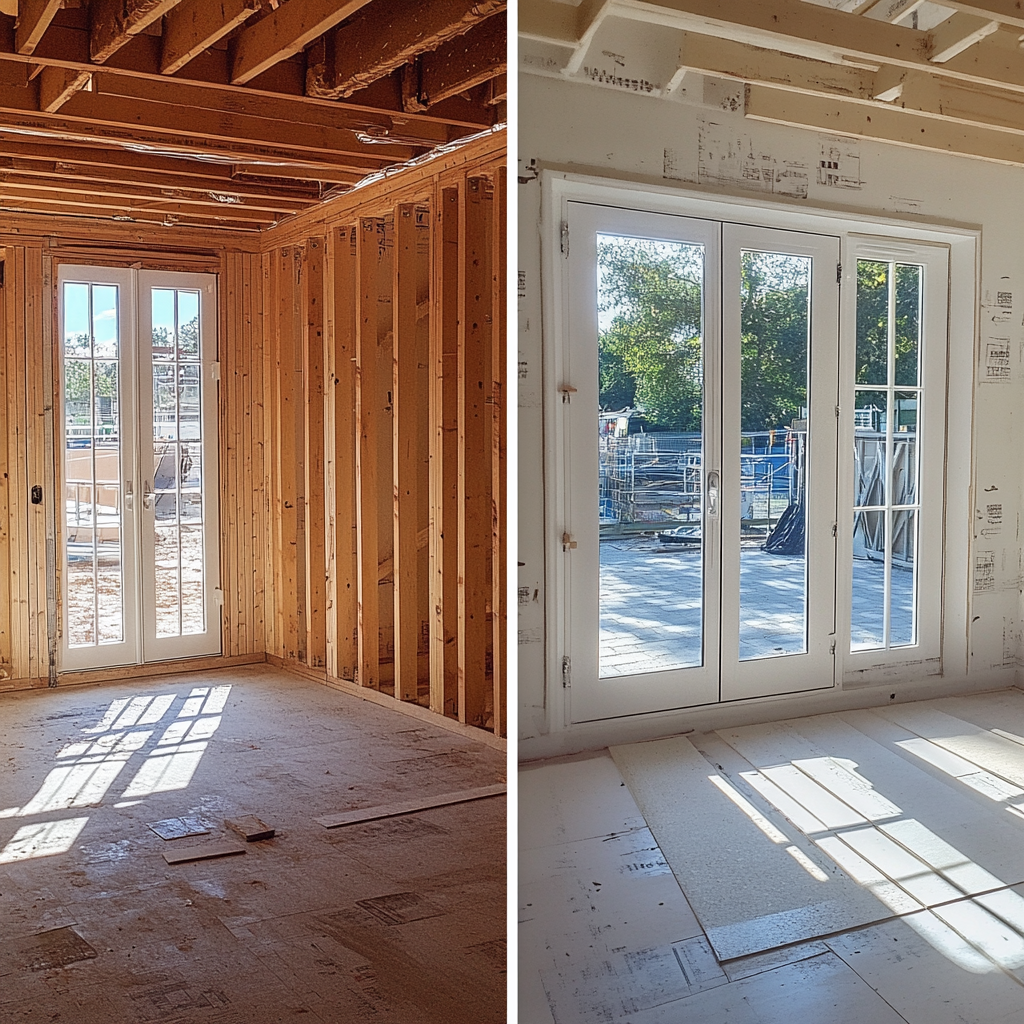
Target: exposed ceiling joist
column 58, row 85
column 890, row 10
column 112, row 23
column 898, row 127
column 590, row 16
column 459, row 65
column 289, row 29
column 34, row 17
column 195, row 25
column 957, row 34
column 819, row 33
column 376, row 43
column 195, row 111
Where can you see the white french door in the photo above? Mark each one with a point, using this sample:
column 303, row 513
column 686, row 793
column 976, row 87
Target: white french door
column 140, row 574
column 699, row 426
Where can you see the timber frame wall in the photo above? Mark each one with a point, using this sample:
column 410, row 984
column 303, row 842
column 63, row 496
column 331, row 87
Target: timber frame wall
column 362, row 436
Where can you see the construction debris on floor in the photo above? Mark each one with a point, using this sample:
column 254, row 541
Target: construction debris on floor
column 110, row 795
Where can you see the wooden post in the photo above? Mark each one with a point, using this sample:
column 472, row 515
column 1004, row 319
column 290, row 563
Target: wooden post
column 499, row 492
column 366, row 453
column 346, row 443
column 444, row 459
column 6, row 301
column 404, row 453
column 313, row 427
column 475, row 454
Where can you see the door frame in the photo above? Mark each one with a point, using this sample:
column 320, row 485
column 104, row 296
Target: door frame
column 137, row 648
column 560, row 187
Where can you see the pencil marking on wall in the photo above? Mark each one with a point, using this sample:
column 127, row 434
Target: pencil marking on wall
column 839, row 163
column 727, row 157
column 985, row 572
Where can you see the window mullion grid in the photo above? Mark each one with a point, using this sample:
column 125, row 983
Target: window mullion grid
column 890, row 402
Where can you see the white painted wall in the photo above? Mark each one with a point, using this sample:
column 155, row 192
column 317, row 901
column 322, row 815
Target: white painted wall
column 593, row 130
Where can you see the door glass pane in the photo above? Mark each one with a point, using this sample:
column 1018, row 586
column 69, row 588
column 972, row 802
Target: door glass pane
column 775, row 325
column 650, row 429
column 886, row 512
column 902, row 631
column 177, row 484
column 93, row 555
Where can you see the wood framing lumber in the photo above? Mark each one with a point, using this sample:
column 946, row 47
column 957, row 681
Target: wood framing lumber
column 462, row 63
column 195, row 25
column 250, row 828
column 892, row 88
column 366, row 454
column 112, row 23
column 901, row 127
column 405, row 424
column 58, row 85
column 890, row 10
column 956, row 34
column 285, row 31
column 394, row 810
column 819, row 33
column 378, row 41
column 201, row 851
column 590, row 16
column 34, row 17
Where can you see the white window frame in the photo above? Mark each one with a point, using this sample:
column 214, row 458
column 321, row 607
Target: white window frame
column 963, row 245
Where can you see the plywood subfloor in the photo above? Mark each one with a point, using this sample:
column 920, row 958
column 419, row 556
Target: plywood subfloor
column 916, row 807
column 398, row 921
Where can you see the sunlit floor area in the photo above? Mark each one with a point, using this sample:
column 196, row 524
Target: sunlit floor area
column 853, row 867
column 651, row 605
column 399, row 920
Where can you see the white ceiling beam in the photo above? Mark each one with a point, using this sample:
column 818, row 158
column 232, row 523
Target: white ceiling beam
column 589, row 16
column 957, row 34
column 893, row 88
column 883, row 124
column 817, row 32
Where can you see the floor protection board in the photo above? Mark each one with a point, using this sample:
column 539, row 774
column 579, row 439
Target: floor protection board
column 747, row 871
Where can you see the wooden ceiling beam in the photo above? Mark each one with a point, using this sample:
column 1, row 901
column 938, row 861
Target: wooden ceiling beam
column 200, row 125
column 112, row 23
column 956, row 34
column 208, row 192
column 43, row 201
column 204, row 174
column 899, row 127
column 814, row 31
column 195, row 25
column 34, row 17
column 889, row 89
column 459, row 65
column 58, row 85
column 227, row 204
column 289, row 29
column 1007, row 12
column 139, row 60
column 381, row 39
column 294, row 112
column 88, row 118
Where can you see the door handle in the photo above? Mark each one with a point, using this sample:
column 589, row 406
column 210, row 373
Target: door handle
column 148, row 496
column 714, row 483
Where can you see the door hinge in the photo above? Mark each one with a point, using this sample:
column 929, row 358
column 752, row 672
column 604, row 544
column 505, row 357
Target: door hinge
column 568, row 542
column 834, row 527
column 566, row 672
column 832, row 649
column 837, row 412
column 566, row 391
column 565, row 238
column 215, row 371
column 839, row 273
